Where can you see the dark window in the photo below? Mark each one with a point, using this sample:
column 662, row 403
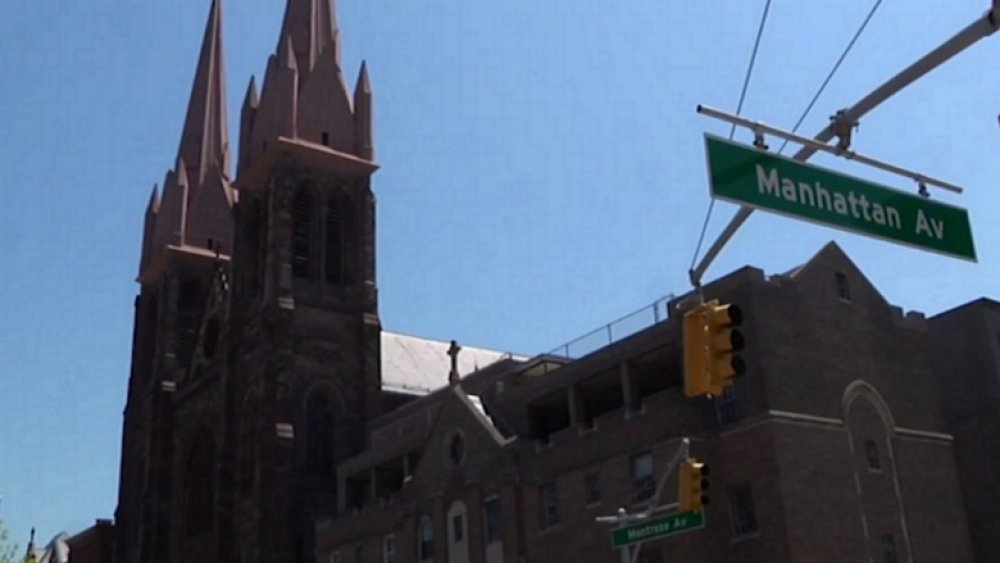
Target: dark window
column 389, row 549
column 254, row 242
column 592, row 488
column 493, row 522
column 302, row 209
column 650, row 555
column 338, row 248
column 456, row 449
column 326, row 138
column 359, row 554
column 888, row 548
column 643, row 483
column 728, row 407
column 871, row 453
column 548, row 505
column 457, row 527
column 210, row 342
column 199, row 487
column 319, row 434
column 843, row 287
column 741, row 510
column 189, row 309
column 426, row 538
column 334, row 557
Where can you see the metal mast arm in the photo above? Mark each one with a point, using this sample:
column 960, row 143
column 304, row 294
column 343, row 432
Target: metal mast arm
column 841, row 125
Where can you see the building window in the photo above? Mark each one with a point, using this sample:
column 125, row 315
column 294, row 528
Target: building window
column 643, row 484
column 302, row 209
column 888, row 548
column 741, row 510
column 592, row 488
column 319, row 434
column 359, row 554
column 548, row 505
column 728, row 407
column 426, row 538
column 190, row 303
column 338, row 236
column 389, row 549
column 334, row 557
column 843, row 287
column 492, row 520
column 457, row 528
column 456, row 449
column 871, row 453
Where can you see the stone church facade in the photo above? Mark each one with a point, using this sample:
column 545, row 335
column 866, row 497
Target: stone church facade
column 257, row 343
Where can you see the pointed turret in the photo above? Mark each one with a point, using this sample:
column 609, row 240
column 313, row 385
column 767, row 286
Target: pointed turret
column 148, row 224
column 324, row 115
column 279, row 100
column 247, row 115
column 205, row 138
column 208, row 223
column 172, row 214
column 365, row 146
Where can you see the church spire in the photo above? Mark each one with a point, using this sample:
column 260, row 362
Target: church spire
column 310, row 25
column 205, row 138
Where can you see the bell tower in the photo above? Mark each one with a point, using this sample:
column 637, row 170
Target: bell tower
column 305, row 329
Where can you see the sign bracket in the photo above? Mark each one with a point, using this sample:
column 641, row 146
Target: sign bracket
column 981, row 28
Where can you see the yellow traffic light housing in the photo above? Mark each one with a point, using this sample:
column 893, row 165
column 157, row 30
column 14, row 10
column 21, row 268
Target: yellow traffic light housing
column 712, row 340
column 725, row 341
column 692, row 485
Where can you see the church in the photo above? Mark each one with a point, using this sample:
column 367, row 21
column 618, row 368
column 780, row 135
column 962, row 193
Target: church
column 271, row 419
column 258, row 355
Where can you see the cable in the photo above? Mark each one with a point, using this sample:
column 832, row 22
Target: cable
column 833, row 71
column 732, row 131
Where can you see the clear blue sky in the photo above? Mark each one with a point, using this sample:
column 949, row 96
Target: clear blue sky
column 542, row 173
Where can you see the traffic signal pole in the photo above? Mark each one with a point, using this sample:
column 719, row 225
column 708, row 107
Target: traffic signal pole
column 842, row 124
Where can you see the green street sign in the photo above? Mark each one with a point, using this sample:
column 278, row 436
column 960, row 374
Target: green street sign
column 657, row 528
column 763, row 180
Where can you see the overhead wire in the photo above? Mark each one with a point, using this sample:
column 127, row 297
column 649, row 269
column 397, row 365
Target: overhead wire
column 832, row 72
column 739, row 108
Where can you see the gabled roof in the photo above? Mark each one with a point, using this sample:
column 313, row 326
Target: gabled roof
column 418, row 366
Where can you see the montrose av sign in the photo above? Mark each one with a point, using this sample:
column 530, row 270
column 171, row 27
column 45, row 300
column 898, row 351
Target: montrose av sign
column 763, row 180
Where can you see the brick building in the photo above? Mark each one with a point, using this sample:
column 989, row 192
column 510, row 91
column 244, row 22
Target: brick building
column 270, row 418
column 832, row 448
column 966, row 344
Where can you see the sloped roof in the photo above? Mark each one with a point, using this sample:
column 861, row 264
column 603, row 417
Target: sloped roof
column 418, row 366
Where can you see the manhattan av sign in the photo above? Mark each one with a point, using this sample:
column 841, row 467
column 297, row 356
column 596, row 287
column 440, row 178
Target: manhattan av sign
column 763, row 180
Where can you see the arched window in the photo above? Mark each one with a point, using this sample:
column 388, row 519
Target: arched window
column 199, row 487
column 248, row 442
column 339, row 250
column 319, row 434
column 302, row 208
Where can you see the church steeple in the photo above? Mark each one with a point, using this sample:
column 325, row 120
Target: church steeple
column 194, row 209
column 304, row 96
column 205, row 137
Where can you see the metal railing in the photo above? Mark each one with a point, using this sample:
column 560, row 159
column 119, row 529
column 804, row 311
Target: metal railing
column 615, row 330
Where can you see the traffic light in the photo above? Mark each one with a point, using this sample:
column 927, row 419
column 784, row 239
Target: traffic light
column 725, row 341
column 692, row 481
column 712, row 340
